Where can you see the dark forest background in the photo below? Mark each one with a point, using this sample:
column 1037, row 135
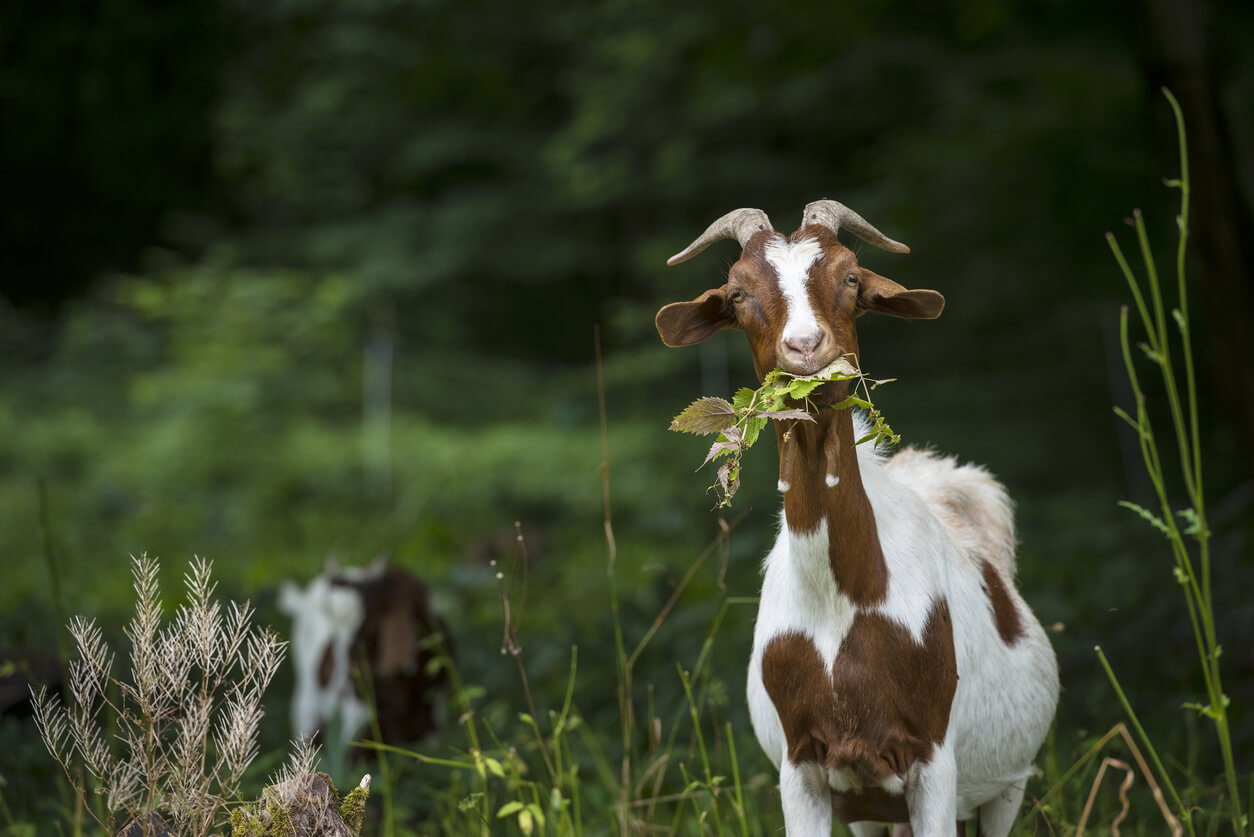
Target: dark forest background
column 303, row 279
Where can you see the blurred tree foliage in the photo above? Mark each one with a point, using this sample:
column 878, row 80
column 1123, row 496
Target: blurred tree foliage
column 314, row 277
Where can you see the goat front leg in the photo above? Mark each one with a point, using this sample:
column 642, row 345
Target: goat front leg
column 806, row 799
column 932, row 795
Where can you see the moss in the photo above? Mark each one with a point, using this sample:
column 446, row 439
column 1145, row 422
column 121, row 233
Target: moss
column 353, row 808
column 276, row 822
column 302, row 807
column 243, row 824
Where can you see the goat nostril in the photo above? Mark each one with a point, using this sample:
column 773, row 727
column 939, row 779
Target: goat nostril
column 804, row 345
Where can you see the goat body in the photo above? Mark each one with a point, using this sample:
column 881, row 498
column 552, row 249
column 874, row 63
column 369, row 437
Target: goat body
column 353, row 622
column 896, row 675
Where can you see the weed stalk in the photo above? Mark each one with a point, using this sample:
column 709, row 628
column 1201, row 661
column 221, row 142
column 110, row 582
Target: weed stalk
column 1194, row 578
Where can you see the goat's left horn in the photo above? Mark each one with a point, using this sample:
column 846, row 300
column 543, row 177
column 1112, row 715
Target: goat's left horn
column 835, row 216
column 740, row 224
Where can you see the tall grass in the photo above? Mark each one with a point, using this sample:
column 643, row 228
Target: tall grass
column 673, row 768
column 1185, row 528
column 175, row 737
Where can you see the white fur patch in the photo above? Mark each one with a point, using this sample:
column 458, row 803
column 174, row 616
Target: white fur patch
column 792, row 261
column 324, row 617
column 936, row 520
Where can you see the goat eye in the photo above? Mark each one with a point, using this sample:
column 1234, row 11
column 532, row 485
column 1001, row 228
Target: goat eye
column 851, row 279
column 737, row 296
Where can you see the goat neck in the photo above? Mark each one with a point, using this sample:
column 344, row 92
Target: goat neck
column 822, row 482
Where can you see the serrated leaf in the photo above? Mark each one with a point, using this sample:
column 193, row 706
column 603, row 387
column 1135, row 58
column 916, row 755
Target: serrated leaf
column 753, row 426
column 704, row 416
column 743, row 398
column 789, row 415
column 840, row 369
column 720, row 448
column 1147, row 515
column 800, row 388
column 741, row 422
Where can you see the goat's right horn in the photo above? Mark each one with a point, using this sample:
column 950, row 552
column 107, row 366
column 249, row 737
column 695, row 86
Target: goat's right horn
column 740, row 224
column 835, row 215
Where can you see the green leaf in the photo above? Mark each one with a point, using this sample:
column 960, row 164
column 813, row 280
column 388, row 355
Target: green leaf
column 1154, row 356
column 1192, row 525
column 1207, row 710
column 509, row 808
column 743, row 398
column 1178, row 316
column 753, row 427
column 469, row 803
column 1147, row 515
column 741, row 422
column 799, row 388
column 704, row 416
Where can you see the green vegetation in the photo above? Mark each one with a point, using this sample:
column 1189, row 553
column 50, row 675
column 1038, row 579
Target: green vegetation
column 1195, row 579
column 739, row 422
column 319, row 278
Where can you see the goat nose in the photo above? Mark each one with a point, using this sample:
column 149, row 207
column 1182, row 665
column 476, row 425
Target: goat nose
column 803, row 344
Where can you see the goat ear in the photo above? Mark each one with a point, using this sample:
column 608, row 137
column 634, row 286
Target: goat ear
column 883, row 295
column 686, row 323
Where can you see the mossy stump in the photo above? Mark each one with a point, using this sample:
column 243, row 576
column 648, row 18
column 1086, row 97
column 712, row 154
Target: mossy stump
column 303, row 806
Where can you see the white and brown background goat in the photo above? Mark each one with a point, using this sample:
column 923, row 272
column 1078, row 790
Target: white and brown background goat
column 897, row 676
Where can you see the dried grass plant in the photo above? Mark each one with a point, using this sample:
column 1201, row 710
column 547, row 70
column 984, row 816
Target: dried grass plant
column 183, row 728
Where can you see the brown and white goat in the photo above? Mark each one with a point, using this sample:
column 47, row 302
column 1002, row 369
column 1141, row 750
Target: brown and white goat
column 897, row 675
column 350, row 622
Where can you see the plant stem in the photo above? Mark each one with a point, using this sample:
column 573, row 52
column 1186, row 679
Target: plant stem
column 1185, row 814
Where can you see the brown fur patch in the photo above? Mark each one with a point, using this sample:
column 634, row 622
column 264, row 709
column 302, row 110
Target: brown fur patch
column 883, row 706
column 853, row 541
column 1005, row 614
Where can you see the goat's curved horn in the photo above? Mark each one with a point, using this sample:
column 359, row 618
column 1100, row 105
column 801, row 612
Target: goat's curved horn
column 835, row 215
column 740, row 224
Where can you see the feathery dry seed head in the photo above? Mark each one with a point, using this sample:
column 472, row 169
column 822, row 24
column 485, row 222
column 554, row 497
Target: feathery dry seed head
column 188, row 719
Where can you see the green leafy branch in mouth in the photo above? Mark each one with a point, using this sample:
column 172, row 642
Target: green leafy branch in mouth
column 739, row 422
